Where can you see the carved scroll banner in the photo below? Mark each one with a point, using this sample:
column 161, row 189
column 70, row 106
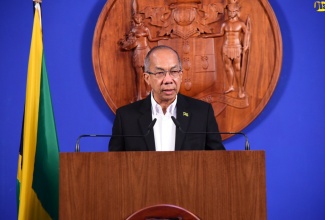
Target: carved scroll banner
column 231, row 52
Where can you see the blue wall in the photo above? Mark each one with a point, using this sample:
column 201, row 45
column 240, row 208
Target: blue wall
column 289, row 129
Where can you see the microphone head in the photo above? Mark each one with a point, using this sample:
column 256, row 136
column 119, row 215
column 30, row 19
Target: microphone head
column 176, row 122
column 152, row 124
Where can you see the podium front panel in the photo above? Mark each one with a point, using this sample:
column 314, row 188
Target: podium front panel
column 211, row 184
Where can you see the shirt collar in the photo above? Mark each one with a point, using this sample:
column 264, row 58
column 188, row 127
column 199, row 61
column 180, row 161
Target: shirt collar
column 156, row 108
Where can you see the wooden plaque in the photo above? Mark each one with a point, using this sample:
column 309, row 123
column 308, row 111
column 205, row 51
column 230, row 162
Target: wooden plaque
column 231, row 52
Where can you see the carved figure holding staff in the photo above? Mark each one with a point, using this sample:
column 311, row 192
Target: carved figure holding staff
column 138, row 39
column 234, row 48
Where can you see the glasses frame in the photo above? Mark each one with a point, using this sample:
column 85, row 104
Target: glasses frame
column 162, row 73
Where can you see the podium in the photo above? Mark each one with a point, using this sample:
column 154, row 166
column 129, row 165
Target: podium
column 212, row 185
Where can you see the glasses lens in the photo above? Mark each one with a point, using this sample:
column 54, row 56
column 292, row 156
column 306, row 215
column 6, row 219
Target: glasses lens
column 160, row 74
column 174, row 73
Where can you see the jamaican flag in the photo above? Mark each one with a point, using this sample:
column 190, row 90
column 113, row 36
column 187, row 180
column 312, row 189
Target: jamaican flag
column 38, row 164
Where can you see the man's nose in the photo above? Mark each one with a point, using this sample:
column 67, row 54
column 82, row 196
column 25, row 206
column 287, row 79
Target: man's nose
column 168, row 78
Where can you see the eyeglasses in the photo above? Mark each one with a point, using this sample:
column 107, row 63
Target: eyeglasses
column 162, row 73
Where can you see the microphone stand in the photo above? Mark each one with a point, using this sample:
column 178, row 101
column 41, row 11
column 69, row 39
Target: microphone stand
column 77, row 148
column 178, row 126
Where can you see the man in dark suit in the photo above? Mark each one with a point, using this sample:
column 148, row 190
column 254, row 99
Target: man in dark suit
column 163, row 72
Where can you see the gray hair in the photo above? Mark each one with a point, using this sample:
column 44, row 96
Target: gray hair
column 156, row 48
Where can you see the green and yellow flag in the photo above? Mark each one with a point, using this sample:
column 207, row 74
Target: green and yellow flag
column 38, row 164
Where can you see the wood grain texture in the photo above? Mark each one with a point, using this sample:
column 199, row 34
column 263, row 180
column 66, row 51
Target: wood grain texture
column 204, row 75
column 210, row 184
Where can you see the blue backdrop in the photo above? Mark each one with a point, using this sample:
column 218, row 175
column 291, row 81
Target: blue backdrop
column 289, row 129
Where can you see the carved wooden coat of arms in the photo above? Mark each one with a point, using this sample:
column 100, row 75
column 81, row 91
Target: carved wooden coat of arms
column 231, row 52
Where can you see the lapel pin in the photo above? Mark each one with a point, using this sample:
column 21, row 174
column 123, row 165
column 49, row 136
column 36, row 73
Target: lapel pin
column 185, row 114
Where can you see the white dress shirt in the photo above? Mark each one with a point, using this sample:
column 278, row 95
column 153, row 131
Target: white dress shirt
column 164, row 129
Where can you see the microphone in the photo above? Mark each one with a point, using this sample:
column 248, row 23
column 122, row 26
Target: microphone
column 178, row 126
column 77, row 148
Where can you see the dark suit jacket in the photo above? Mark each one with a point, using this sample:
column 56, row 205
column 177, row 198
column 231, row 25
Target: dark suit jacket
column 193, row 115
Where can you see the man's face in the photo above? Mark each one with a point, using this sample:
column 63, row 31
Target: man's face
column 166, row 88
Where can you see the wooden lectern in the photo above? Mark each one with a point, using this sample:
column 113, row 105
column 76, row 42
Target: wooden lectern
column 212, row 185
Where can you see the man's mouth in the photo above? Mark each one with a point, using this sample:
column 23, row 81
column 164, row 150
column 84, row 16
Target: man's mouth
column 168, row 91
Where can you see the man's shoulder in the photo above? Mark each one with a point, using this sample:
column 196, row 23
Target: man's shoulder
column 193, row 101
column 133, row 106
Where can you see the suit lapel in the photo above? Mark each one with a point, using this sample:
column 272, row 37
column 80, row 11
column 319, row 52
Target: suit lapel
column 144, row 121
column 183, row 116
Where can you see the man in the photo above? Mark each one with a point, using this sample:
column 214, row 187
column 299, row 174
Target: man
column 163, row 72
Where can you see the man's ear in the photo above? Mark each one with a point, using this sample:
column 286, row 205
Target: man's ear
column 146, row 78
